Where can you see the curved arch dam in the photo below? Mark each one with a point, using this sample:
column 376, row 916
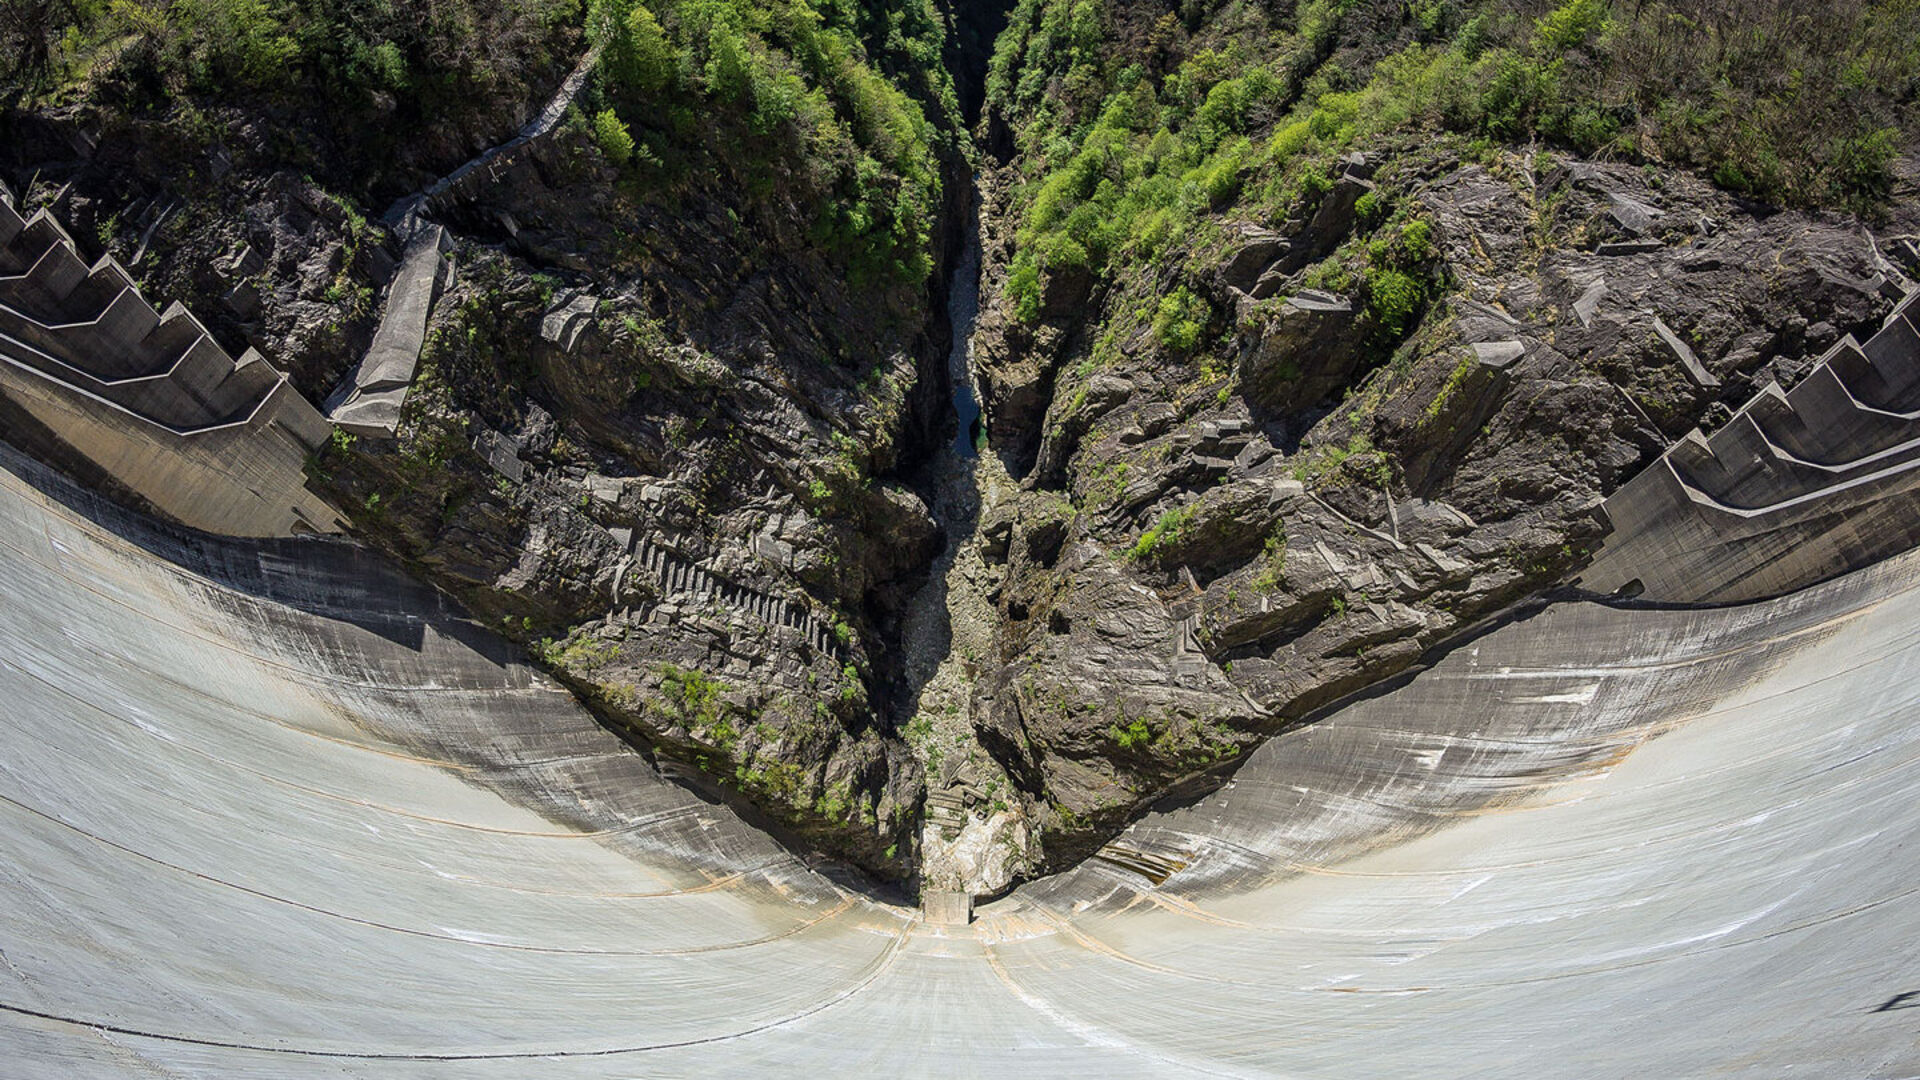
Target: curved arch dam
column 268, row 810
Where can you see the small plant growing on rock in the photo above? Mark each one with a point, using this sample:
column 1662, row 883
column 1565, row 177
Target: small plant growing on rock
column 694, row 693
column 1164, row 532
column 1133, row 736
column 1180, row 320
column 1273, row 562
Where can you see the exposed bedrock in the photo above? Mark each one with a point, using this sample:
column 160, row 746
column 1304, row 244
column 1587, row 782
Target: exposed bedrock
column 663, row 443
column 671, row 456
column 1211, row 542
column 653, row 461
column 694, row 463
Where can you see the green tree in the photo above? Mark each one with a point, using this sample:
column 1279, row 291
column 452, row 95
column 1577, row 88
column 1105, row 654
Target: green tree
column 729, row 67
column 616, row 142
column 29, row 32
column 639, row 55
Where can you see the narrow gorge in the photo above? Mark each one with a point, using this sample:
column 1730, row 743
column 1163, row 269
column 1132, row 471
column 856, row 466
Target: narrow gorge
column 920, row 538
column 945, row 432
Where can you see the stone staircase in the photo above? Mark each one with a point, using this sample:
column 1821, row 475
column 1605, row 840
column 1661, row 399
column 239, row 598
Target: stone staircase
column 1799, row 486
column 215, row 442
column 369, row 401
column 676, row 577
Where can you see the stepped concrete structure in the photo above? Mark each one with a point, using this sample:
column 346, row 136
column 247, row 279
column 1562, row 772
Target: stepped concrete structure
column 148, row 396
column 1799, row 486
column 269, row 809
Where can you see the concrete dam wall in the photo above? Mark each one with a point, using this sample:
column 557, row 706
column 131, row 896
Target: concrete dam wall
column 149, row 397
column 267, row 809
column 1798, row 486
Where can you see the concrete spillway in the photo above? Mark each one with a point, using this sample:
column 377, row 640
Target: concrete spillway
column 268, row 811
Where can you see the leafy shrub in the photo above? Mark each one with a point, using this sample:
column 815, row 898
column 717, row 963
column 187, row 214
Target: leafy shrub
column 616, row 142
column 1394, row 298
column 382, row 65
column 1164, row 532
column 1570, row 26
column 637, row 52
column 1290, row 139
column 1132, row 737
column 1023, row 288
column 1180, row 320
column 694, row 693
column 1523, row 89
column 729, row 71
column 1405, row 247
column 1218, row 178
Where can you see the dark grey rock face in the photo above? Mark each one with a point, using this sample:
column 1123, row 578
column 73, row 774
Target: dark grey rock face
column 1250, row 538
column 1298, row 348
column 672, row 462
column 602, row 380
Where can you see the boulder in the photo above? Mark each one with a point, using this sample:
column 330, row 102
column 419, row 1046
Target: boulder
column 1298, row 351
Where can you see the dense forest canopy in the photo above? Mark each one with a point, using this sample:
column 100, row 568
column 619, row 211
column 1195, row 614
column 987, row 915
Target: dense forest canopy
column 845, row 101
column 1132, row 120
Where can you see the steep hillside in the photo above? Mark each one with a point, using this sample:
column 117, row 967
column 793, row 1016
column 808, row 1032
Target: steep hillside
column 700, row 312
column 1319, row 330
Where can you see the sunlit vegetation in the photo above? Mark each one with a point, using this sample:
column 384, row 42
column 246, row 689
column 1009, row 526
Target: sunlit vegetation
column 846, row 101
column 370, row 69
column 842, row 110
column 1126, row 149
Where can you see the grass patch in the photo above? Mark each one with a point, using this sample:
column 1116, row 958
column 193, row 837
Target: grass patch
column 1164, row 533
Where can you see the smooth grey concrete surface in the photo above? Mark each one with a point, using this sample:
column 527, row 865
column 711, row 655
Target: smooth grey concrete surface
column 369, row 401
column 149, row 397
column 269, row 810
column 1797, row 487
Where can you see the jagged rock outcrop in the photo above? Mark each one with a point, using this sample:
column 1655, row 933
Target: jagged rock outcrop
column 1238, row 552
column 685, row 352
column 666, row 453
column 691, row 523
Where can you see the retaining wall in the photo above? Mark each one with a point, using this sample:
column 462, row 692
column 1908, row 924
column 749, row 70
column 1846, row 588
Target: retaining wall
column 217, row 443
column 1799, row 486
